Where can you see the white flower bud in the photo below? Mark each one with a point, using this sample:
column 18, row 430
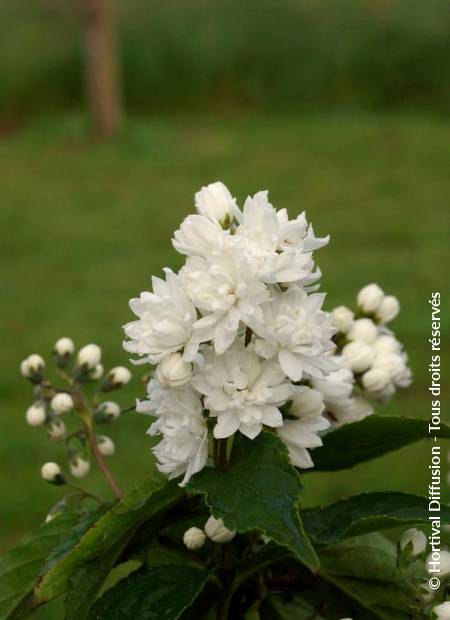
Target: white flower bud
column 442, row 611
column 307, row 404
column 97, row 373
column 216, row 203
column 369, row 298
column 386, row 344
column 108, row 409
column 36, row 415
column 106, row 445
column 388, row 309
column 364, row 330
column 173, row 371
column 62, row 403
column 357, row 356
column 118, row 376
column 217, row 532
column 51, row 472
column 375, row 380
column 79, row 467
column 57, row 430
column 32, row 367
column 64, row 347
column 416, row 538
column 342, row 318
column 194, row 538
column 439, row 567
column 89, row 356
column 393, row 364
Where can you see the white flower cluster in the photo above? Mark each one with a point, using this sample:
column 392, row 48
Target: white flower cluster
column 238, row 335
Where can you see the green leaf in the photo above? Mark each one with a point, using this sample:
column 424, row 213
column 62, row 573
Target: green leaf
column 368, row 512
column 365, row 440
column 20, row 567
column 259, row 491
column 149, row 498
column 161, row 593
column 284, row 608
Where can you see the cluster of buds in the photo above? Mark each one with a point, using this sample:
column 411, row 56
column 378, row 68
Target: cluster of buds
column 55, row 406
column 194, row 538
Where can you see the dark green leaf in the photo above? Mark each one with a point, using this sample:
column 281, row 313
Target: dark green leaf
column 20, row 567
column 149, row 498
column 287, row 608
column 372, row 437
column 368, row 512
column 259, row 491
column 161, row 593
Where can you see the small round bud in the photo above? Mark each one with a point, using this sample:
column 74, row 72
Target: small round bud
column 217, row 532
column 342, row 318
column 442, row 611
column 440, row 566
column 307, row 404
column 173, row 371
column 216, row 203
column 393, row 364
column 62, row 403
column 64, row 347
column 357, row 356
column 57, row 430
column 106, row 445
column 36, row 414
column 416, row 539
column 89, row 356
column 364, row 330
column 369, row 298
column 79, row 467
column 194, row 538
column 107, row 411
column 97, row 373
column 51, row 472
column 116, row 378
column 386, row 344
column 32, row 368
column 375, row 380
column 388, row 309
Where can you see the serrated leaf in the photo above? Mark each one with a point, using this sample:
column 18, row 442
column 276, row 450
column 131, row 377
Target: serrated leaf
column 146, row 500
column 370, row 438
column 20, row 567
column 161, row 593
column 368, row 512
column 259, row 491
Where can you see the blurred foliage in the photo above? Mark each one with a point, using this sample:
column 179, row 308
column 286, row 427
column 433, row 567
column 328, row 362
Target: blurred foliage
column 269, row 54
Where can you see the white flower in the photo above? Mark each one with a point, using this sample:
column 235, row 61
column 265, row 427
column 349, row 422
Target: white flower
column 369, row 298
column 51, row 472
column 62, row 403
column 343, row 319
column 416, row 538
column 364, row 330
column 386, row 344
column 294, row 328
column 194, row 538
column 64, row 347
column 441, row 566
column 106, row 445
column 36, row 414
column 89, row 356
column 337, row 390
column 110, row 408
column 242, row 391
column 57, row 430
column 118, row 376
column 173, row 371
column 275, row 248
column 375, row 380
column 225, row 292
column 79, row 467
column 199, row 236
column 395, row 366
column 442, row 611
column 358, row 356
column 33, row 365
column 300, row 434
column 359, row 409
column 165, row 322
column 388, row 309
column 217, row 532
column 216, row 203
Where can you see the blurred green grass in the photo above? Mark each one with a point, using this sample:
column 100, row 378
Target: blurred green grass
column 84, row 225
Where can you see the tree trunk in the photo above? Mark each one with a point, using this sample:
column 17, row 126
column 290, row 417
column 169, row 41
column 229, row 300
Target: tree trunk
column 102, row 67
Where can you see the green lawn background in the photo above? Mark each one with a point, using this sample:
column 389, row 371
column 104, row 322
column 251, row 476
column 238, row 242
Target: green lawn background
column 83, row 226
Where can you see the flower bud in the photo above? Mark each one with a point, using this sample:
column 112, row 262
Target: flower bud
column 116, row 378
column 32, row 368
column 62, row 403
column 173, row 371
column 388, row 309
column 364, row 330
column 375, row 380
column 97, row 373
column 369, row 298
column 79, row 467
column 89, row 356
column 107, row 411
column 307, row 404
column 442, row 611
column 357, row 356
column 386, row 344
column 194, row 538
column 217, row 532
column 51, row 472
column 216, row 203
column 416, row 539
column 106, row 445
column 441, row 567
column 63, row 349
column 36, row 414
column 57, row 430
column 342, row 318
column 393, row 364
